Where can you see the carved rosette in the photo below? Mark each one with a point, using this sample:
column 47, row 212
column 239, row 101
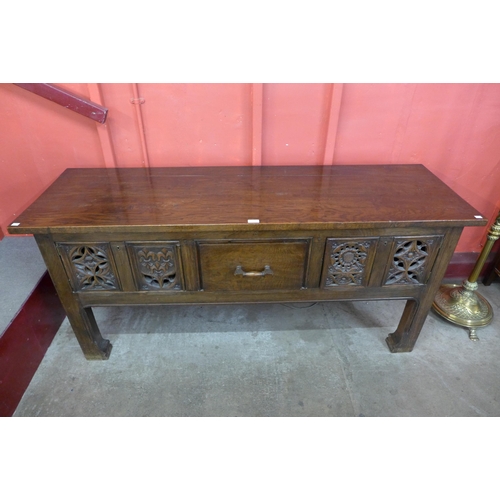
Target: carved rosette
column 90, row 267
column 157, row 267
column 348, row 262
column 410, row 262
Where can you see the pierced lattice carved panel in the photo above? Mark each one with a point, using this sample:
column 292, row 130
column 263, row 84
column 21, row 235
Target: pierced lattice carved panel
column 156, row 267
column 348, row 262
column 89, row 266
column 412, row 260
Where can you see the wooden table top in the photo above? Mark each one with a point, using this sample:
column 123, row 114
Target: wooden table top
column 280, row 197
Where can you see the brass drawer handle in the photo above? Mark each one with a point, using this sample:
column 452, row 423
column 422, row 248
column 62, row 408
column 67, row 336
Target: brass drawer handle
column 239, row 272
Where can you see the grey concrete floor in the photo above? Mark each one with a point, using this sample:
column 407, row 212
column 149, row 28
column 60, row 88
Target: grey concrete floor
column 323, row 360
column 21, row 267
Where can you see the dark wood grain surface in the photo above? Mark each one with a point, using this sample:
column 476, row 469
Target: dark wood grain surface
column 278, row 196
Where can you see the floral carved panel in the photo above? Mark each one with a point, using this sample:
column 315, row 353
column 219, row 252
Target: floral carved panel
column 348, row 262
column 156, row 266
column 89, row 266
column 412, row 260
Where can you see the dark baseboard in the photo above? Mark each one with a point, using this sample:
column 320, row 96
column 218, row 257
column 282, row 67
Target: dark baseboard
column 25, row 342
column 462, row 264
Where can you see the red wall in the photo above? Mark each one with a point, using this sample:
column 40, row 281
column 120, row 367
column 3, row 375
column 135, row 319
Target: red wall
column 453, row 129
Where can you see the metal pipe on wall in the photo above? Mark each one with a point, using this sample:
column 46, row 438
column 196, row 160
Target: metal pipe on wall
column 333, row 122
column 103, row 131
column 257, row 90
column 138, row 101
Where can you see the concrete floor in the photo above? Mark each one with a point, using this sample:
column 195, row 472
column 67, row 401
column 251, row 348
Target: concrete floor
column 326, row 360
column 22, row 265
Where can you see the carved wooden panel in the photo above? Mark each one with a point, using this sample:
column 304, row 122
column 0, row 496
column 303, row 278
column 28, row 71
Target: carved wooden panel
column 412, row 260
column 89, row 266
column 348, row 262
column 156, row 265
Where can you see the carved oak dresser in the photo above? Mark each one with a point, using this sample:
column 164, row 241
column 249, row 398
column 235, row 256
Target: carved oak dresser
column 131, row 236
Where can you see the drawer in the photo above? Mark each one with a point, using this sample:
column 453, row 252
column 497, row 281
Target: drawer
column 253, row 265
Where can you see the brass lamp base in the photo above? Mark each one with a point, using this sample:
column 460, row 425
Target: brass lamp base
column 462, row 305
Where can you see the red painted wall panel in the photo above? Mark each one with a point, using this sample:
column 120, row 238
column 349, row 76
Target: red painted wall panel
column 454, row 129
column 197, row 124
column 371, row 118
column 294, row 123
column 38, row 140
column 122, row 123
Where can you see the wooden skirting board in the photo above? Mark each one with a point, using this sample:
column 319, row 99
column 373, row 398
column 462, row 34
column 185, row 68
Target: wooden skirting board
column 25, row 342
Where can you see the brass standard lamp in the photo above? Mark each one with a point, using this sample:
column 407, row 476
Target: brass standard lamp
column 461, row 304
